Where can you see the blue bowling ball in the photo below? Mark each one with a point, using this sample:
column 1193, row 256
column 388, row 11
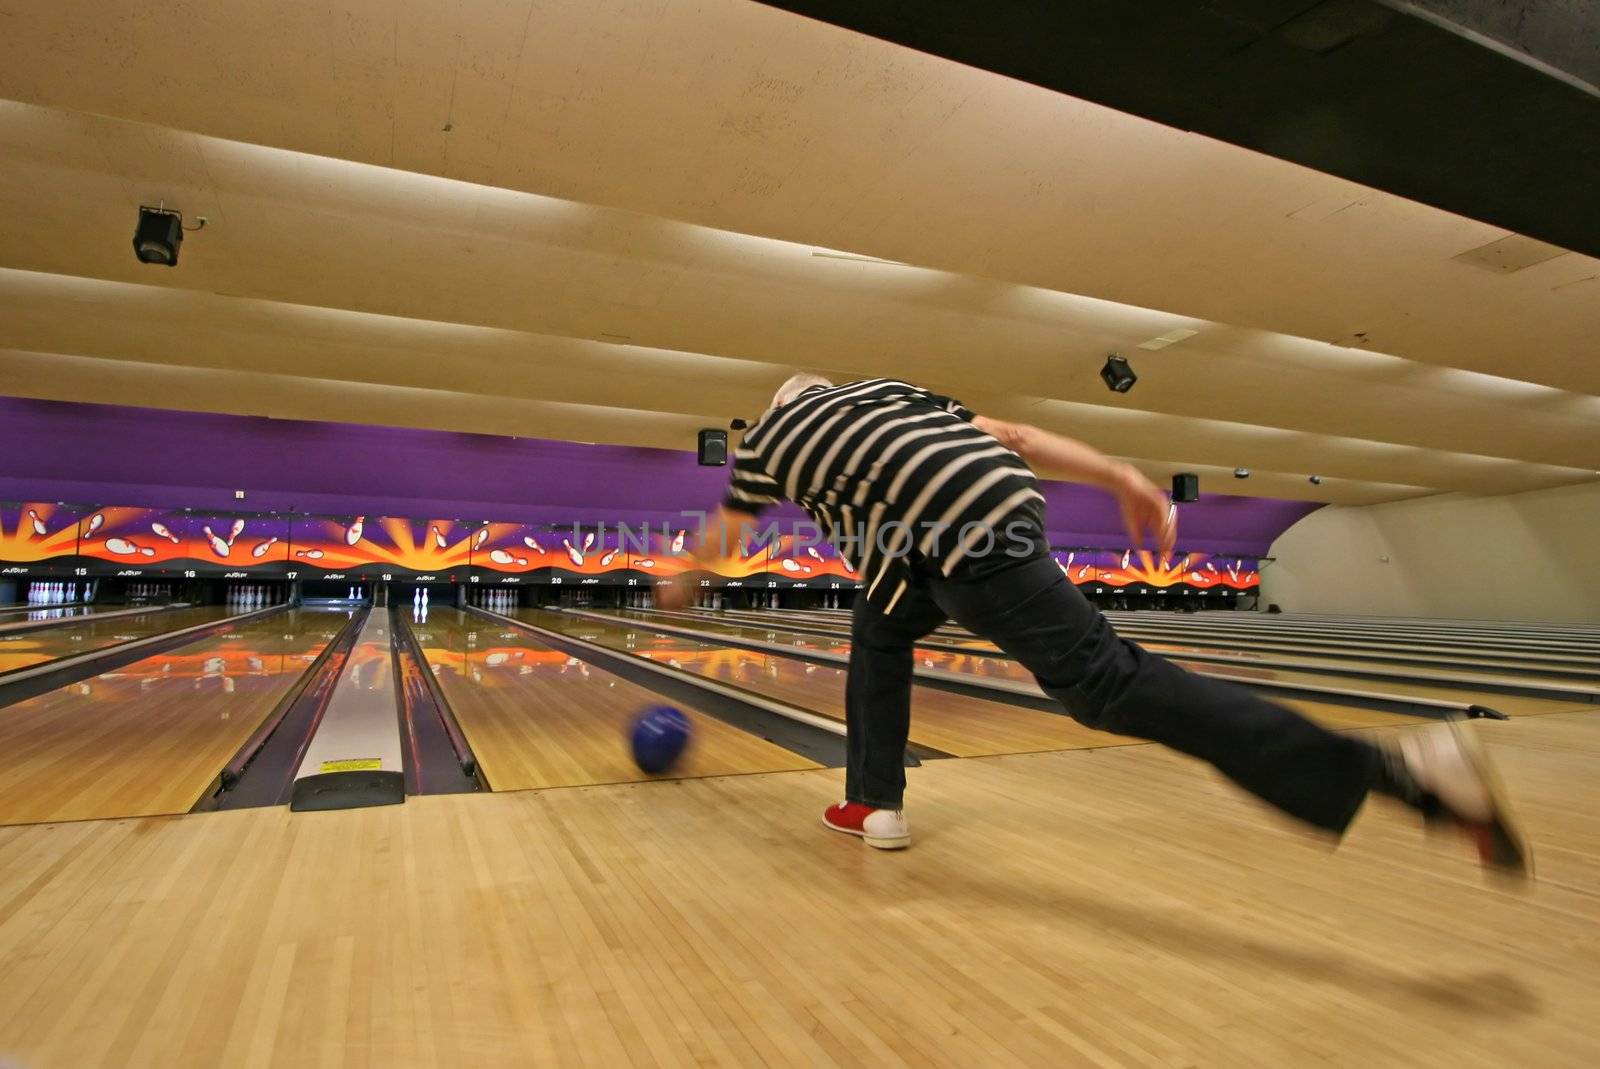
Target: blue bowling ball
column 660, row 735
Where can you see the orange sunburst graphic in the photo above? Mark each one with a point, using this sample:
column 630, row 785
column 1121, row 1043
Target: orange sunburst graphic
column 342, row 544
column 1202, row 571
column 36, row 531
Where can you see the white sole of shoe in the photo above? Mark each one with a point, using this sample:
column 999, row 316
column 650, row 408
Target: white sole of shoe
column 899, row 842
column 1499, row 803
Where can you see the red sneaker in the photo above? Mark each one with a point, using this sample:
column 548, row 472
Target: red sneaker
column 884, row 829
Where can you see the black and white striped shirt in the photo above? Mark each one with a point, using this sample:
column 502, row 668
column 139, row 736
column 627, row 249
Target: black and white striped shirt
column 892, row 472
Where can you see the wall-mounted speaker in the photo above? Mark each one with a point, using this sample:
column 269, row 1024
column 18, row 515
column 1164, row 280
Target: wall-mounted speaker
column 1186, row 486
column 713, row 447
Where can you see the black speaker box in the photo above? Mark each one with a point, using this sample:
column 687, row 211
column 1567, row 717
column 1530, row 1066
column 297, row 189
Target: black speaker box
column 713, row 447
column 1186, row 486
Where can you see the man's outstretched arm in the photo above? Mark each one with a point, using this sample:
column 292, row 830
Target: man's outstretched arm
column 1144, row 506
column 723, row 529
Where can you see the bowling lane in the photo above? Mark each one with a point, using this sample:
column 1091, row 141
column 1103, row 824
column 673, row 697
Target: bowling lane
column 980, row 659
column 972, row 656
column 952, row 723
column 15, row 613
column 536, row 717
column 978, row 668
column 1381, row 655
column 1250, row 629
column 28, row 648
column 148, row 738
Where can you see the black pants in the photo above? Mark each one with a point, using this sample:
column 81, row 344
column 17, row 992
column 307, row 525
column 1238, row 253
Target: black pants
column 1028, row 608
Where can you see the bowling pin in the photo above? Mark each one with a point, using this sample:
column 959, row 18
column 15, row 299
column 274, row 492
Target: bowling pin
column 233, row 532
column 120, row 546
column 261, row 548
column 95, row 523
column 352, row 534
column 309, row 554
column 500, row 556
column 218, row 545
column 605, row 561
column 438, row 539
column 38, row 524
column 528, row 541
column 588, row 540
column 424, row 597
column 483, row 536
column 789, row 565
column 677, row 542
column 574, row 555
column 162, row 531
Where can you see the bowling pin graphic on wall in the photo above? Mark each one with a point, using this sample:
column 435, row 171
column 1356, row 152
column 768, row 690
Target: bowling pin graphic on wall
column 219, row 546
column 352, row 534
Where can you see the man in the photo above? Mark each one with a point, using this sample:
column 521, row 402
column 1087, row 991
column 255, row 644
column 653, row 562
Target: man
column 940, row 514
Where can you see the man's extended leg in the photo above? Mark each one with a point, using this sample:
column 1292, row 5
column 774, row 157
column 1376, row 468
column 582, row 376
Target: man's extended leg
column 1030, row 610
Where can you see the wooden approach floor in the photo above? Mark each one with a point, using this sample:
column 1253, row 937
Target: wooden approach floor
column 1115, row 907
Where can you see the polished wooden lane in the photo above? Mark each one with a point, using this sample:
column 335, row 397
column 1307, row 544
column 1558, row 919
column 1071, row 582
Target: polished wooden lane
column 12, row 613
column 29, row 648
column 1445, row 686
column 1113, row 908
column 149, row 737
column 1465, row 673
column 536, row 717
column 952, row 723
column 1252, row 631
column 1383, row 658
column 978, row 660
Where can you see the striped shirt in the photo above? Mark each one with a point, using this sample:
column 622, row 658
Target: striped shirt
column 893, row 473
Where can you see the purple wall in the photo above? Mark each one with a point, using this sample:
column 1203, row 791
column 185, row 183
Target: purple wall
column 110, row 454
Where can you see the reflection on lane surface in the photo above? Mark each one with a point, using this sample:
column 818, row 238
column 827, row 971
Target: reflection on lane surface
column 28, row 648
column 538, row 717
column 148, row 737
column 953, row 723
column 949, row 660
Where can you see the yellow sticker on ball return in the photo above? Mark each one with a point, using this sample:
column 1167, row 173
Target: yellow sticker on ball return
column 353, row 764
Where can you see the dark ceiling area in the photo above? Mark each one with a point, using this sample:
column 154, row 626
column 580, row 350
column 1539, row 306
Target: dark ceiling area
column 1411, row 105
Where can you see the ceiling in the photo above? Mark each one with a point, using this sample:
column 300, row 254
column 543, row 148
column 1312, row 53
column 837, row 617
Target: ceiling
column 618, row 221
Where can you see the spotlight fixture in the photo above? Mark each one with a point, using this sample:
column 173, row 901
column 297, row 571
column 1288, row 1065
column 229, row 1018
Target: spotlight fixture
column 1315, row 480
column 1117, row 374
column 1241, row 473
column 158, row 235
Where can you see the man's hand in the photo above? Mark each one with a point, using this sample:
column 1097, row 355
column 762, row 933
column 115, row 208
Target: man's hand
column 1145, row 509
column 673, row 597
column 723, row 528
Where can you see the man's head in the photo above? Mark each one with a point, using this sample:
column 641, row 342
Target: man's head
column 797, row 385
